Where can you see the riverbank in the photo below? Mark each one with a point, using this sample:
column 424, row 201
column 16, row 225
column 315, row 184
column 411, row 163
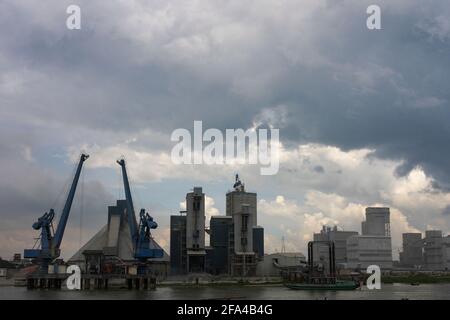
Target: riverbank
column 220, row 282
column 416, row 279
column 239, row 292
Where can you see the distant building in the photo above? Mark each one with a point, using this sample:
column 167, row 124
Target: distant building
column 275, row 264
column 195, row 230
column 430, row 253
column 446, row 245
column 377, row 222
column 374, row 246
column 363, row 251
column 17, row 258
column 187, row 236
column 339, row 238
column 258, row 242
column 241, row 206
column 434, row 250
column 6, row 268
column 178, row 252
column 412, row 254
column 236, row 241
column 220, row 229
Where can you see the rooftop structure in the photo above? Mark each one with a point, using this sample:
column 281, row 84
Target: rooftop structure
column 241, row 206
column 339, row 237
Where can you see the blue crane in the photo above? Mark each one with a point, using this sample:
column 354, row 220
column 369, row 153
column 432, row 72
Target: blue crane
column 50, row 242
column 140, row 234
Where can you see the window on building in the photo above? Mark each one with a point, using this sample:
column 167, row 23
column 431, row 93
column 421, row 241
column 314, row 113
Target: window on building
column 244, row 222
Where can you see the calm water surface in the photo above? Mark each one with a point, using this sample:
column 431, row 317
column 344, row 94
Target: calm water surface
column 388, row 291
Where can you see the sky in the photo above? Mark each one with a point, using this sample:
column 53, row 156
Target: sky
column 363, row 114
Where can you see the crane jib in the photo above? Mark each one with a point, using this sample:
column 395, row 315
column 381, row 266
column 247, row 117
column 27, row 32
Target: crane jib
column 50, row 243
column 65, row 213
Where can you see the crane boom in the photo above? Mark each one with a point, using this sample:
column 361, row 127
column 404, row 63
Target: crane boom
column 50, row 243
column 141, row 236
column 130, row 207
column 65, row 213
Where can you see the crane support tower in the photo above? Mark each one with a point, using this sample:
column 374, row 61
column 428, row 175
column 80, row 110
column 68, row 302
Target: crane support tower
column 140, row 234
column 50, row 241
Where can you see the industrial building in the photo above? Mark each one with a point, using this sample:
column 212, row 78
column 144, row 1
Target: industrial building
column 429, row 253
column 195, row 231
column 6, row 268
column 220, row 243
column 123, row 251
column 112, row 247
column 364, row 251
column 434, row 250
column 277, row 264
column 446, row 249
column 412, row 254
column 241, row 206
column 377, row 222
column 124, row 246
column 236, row 241
column 374, row 246
column 258, row 242
column 187, row 236
column 178, row 250
column 339, row 237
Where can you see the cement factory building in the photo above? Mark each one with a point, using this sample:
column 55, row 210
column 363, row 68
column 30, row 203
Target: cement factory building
column 187, row 236
column 236, row 241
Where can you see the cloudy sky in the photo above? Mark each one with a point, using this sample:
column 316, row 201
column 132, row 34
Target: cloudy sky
column 364, row 116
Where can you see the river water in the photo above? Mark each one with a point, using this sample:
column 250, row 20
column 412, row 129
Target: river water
column 387, row 291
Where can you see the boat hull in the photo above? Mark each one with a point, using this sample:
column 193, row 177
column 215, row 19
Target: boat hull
column 340, row 285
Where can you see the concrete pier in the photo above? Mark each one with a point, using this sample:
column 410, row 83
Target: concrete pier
column 92, row 282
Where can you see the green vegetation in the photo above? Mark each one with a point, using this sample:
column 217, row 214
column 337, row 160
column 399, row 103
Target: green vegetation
column 416, row 278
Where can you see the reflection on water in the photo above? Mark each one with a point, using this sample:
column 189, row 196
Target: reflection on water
column 388, row 291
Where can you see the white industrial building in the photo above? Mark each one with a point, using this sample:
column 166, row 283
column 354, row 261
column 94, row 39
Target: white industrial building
column 241, row 206
column 446, row 249
column 275, row 264
column 195, row 230
column 412, row 255
column 429, row 253
column 436, row 250
column 339, row 237
column 363, row 251
column 374, row 246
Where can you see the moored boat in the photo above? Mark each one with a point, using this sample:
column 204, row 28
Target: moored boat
column 338, row 285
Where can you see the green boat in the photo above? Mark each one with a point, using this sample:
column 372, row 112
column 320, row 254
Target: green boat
column 315, row 279
column 338, row 285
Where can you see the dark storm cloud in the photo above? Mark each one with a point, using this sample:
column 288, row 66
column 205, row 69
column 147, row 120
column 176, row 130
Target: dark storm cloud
column 132, row 68
column 28, row 189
